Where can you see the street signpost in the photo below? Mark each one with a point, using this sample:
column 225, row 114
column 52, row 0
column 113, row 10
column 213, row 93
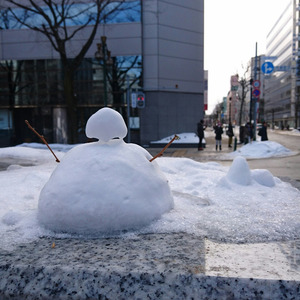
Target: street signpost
column 256, row 84
column 267, row 67
column 256, row 93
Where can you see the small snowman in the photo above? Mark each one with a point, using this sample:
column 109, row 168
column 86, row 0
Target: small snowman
column 106, row 186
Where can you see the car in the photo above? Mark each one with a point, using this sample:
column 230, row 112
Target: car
column 258, row 126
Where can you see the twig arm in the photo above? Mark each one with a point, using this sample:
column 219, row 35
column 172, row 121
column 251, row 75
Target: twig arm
column 176, row 137
column 42, row 139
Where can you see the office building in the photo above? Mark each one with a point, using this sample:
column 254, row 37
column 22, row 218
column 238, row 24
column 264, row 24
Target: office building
column 281, row 68
column 150, row 51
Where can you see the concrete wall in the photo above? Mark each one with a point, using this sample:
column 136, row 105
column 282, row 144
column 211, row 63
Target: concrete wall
column 173, row 67
column 168, row 113
column 122, row 39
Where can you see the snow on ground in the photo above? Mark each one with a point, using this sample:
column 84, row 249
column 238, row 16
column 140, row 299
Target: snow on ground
column 227, row 204
column 260, row 150
column 255, row 149
column 185, row 138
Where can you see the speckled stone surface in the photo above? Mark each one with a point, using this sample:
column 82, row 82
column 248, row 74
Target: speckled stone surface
column 152, row 266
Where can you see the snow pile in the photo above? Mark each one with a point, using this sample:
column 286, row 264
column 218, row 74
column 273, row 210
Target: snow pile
column 239, row 172
column 185, row 138
column 105, row 186
column 260, row 150
column 212, row 201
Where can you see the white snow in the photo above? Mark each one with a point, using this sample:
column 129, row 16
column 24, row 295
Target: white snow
column 106, row 124
column 104, row 187
column 232, row 204
column 260, row 150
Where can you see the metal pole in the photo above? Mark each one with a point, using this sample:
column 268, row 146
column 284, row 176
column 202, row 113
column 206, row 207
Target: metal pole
column 255, row 99
column 128, row 93
column 103, row 39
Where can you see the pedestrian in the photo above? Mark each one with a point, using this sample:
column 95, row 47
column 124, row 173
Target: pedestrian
column 230, row 134
column 218, row 133
column 263, row 132
column 248, row 133
column 200, row 132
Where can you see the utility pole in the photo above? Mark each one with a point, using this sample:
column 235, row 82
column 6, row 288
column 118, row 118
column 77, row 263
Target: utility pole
column 128, row 96
column 254, row 98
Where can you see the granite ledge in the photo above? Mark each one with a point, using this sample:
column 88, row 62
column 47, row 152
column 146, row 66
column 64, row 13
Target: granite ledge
column 154, row 266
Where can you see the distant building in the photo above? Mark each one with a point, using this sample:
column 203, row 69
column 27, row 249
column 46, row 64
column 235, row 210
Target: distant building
column 232, row 100
column 205, row 90
column 166, row 56
column 282, row 85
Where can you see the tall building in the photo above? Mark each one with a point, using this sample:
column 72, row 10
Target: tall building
column 282, row 77
column 149, row 51
column 232, row 100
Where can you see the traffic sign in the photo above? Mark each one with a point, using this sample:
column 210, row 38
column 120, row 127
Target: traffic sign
column 256, row 84
column 282, row 68
column 270, row 57
column 133, row 100
column 267, row 67
column 256, row 93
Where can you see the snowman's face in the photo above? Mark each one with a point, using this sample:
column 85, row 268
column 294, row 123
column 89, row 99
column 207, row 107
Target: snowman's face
column 106, row 124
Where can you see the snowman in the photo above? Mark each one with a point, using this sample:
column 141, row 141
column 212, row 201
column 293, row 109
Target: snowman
column 106, row 186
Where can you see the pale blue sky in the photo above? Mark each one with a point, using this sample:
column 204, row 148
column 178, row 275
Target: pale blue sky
column 232, row 27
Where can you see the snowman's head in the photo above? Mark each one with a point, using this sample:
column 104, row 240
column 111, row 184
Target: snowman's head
column 106, row 124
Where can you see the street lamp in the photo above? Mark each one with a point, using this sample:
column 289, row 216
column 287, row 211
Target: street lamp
column 103, row 54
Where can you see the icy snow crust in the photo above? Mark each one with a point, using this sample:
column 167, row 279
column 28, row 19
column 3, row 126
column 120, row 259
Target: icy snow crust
column 102, row 188
column 208, row 201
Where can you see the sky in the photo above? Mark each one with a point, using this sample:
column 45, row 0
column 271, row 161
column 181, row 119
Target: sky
column 231, row 30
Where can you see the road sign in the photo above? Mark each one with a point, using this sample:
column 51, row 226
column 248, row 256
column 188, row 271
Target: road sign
column 270, row 57
column 256, row 84
column 282, row 68
column 267, row 67
column 133, row 100
column 256, row 93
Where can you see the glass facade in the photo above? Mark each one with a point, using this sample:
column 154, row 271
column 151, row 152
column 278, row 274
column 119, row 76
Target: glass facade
column 34, row 89
column 76, row 14
column 39, row 83
column 281, row 92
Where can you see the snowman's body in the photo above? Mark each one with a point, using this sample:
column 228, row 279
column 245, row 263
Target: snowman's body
column 104, row 186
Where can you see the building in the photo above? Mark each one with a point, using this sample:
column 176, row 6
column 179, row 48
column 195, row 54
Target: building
column 149, row 50
column 282, row 78
column 233, row 101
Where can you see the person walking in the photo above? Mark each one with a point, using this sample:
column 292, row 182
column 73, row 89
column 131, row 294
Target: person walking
column 218, row 132
column 230, row 134
column 263, row 132
column 200, row 132
column 248, row 133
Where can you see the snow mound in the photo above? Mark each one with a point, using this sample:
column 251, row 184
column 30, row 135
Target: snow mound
column 261, row 150
column 263, row 177
column 239, row 172
column 104, row 187
column 106, row 124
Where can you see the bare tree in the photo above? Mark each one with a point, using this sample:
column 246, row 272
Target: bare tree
column 245, row 89
column 118, row 76
column 61, row 21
